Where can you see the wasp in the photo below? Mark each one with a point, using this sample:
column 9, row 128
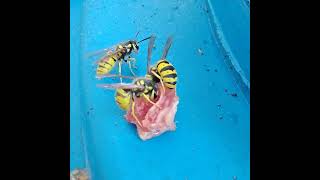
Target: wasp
column 163, row 71
column 116, row 54
column 125, row 92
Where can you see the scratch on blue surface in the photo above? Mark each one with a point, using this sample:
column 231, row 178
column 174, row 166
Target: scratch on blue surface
column 230, row 59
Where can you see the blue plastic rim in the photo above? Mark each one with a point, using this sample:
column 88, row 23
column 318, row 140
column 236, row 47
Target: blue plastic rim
column 212, row 140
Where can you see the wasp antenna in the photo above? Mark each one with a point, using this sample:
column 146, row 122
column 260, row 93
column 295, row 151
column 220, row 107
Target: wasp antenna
column 137, row 34
column 145, row 39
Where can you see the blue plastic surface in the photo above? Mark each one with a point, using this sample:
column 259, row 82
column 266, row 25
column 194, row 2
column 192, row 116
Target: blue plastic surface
column 212, row 140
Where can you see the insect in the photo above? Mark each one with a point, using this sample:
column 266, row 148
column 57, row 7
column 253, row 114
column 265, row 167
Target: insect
column 116, row 54
column 147, row 86
column 125, row 93
column 163, row 71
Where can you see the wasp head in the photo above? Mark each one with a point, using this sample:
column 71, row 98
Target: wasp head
column 135, row 46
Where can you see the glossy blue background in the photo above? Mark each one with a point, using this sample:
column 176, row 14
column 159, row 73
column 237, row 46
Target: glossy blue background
column 212, row 140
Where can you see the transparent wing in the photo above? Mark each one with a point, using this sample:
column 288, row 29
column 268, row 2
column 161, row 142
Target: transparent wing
column 120, row 86
column 116, row 75
column 100, row 52
column 107, row 55
column 106, row 51
column 167, row 47
column 150, row 47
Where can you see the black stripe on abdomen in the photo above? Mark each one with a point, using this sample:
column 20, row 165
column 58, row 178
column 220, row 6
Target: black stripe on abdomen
column 113, row 59
column 170, row 67
column 172, row 83
column 166, row 62
column 174, row 75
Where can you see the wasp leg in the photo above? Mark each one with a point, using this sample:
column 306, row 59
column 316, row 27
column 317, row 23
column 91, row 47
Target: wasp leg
column 131, row 68
column 133, row 60
column 134, row 63
column 134, row 115
column 120, row 71
column 155, row 74
column 148, row 99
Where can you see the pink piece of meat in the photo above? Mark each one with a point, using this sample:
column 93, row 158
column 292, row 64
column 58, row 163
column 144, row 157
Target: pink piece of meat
column 155, row 121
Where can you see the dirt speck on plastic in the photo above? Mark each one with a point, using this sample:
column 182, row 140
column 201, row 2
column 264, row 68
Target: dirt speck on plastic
column 234, row 94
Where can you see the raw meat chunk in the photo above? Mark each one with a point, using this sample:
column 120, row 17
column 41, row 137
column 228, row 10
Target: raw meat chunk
column 155, row 121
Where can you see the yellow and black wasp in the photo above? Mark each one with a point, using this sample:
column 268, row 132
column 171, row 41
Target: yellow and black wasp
column 146, row 87
column 141, row 87
column 116, row 54
column 163, row 71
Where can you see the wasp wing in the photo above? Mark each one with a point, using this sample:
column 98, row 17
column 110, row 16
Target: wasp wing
column 100, row 52
column 120, row 86
column 105, row 51
column 108, row 55
column 167, row 47
column 120, row 76
column 150, row 46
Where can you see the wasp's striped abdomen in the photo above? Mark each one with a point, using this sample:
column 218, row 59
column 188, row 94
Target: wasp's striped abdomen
column 105, row 66
column 167, row 73
column 123, row 99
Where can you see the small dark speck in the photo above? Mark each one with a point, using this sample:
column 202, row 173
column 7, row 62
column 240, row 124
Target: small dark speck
column 153, row 15
column 91, row 109
column 115, row 123
column 225, row 90
column 205, row 8
column 134, row 22
column 219, row 105
column 176, row 8
column 207, row 69
column 215, row 70
column 142, row 5
column 234, row 94
column 220, row 117
column 87, row 112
